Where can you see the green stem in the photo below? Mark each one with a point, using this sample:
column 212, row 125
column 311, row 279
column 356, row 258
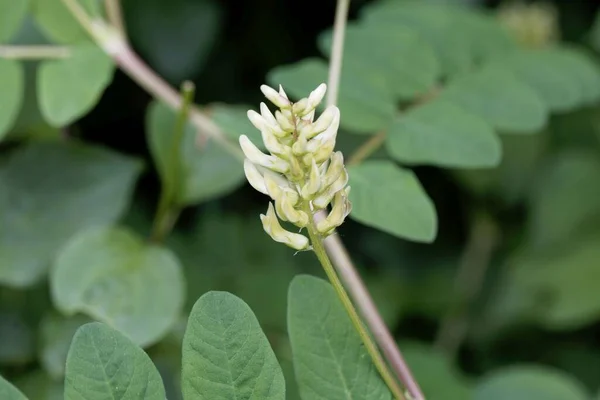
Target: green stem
column 319, row 249
column 168, row 211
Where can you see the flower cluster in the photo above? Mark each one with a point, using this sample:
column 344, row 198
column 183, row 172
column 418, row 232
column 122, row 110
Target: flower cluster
column 302, row 174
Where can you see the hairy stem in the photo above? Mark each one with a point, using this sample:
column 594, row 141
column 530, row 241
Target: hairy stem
column 34, row 52
column 319, row 249
column 168, row 211
column 483, row 240
column 338, row 253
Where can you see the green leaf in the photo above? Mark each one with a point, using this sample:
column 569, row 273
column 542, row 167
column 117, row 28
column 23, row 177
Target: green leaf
column 12, row 14
column 175, row 38
column 581, row 67
column 12, row 87
column 329, row 357
column 499, row 98
column 487, row 38
column 114, row 277
column 365, row 107
column 225, row 353
column 9, row 392
column 56, row 335
column 438, row 378
column 51, row 191
column 406, row 63
column 567, row 198
column 440, row 133
column 233, row 120
column 207, row 171
column 70, row 87
column 58, row 24
column 390, row 198
column 561, row 285
column 435, row 23
column 529, row 382
column 104, row 364
column 545, row 74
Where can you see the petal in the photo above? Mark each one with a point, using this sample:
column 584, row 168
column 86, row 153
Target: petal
column 279, row 99
column 254, row 177
column 273, row 228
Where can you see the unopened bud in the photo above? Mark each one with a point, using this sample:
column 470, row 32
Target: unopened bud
column 258, row 157
column 284, row 122
column 337, row 215
column 325, row 197
column 313, row 185
column 279, row 99
column 273, row 228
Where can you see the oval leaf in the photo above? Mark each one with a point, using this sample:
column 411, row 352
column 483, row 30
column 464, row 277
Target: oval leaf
column 104, row 364
column 68, row 88
column 12, row 14
column 226, row 354
column 407, row 64
column 205, row 169
column 390, row 198
column 12, row 87
column 365, row 107
column 440, row 133
column 527, row 383
column 330, row 360
column 113, row 276
column 51, row 191
column 500, row 99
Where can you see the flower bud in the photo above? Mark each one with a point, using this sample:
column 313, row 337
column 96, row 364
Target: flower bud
column 322, row 123
column 316, row 96
column 254, row 177
column 273, row 228
column 296, row 217
column 272, row 144
column 334, row 170
column 258, row 157
column 284, row 122
column 313, row 185
column 279, row 99
column 276, row 190
column 325, row 197
column 338, row 213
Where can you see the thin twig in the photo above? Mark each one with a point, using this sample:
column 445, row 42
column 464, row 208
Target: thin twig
column 115, row 16
column 475, row 260
column 367, row 148
column 34, row 52
column 337, row 251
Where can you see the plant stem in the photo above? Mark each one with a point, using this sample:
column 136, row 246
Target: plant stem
column 319, row 249
column 34, row 52
column 338, row 253
column 483, row 240
column 367, row 148
column 115, row 15
column 167, row 211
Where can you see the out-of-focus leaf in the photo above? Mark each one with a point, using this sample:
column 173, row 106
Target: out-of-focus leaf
column 559, row 288
column 12, row 86
column 175, row 37
column 435, row 23
column 49, row 192
column 527, row 383
column 329, row 358
column 440, row 133
column 111, row 275
column 390, row 198
column 56, row 335
column 581, row 67
column 206, row 170
column 9, row 392
column 487, row 38
column 567, row 198
column 225, row 353
column 68, row 88
column 233, row 120
column 364, row 107
column 12, row 14
column 512, row 180
column 105, row 364
column 406, row 63
column 500, row 99
column 39, row 386
column 437, row 377
column 58, row 23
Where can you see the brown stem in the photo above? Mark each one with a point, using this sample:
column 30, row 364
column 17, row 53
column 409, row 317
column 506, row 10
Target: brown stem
column 367, row 148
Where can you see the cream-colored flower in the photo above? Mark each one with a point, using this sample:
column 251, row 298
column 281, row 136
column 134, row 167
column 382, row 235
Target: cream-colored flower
column 302, row 173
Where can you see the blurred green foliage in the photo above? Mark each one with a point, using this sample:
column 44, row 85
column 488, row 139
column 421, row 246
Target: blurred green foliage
column 482, row 122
